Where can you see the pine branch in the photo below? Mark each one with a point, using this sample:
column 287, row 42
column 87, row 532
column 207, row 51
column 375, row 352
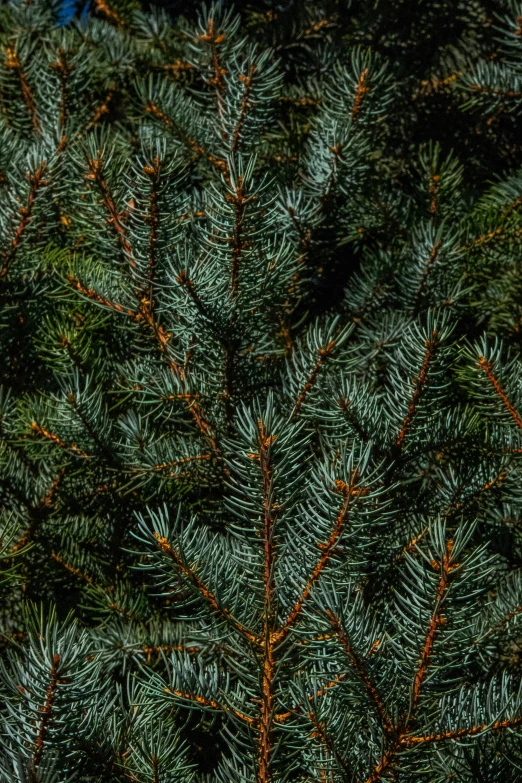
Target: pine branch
column 51, row 436
column 245, row 105
column 362, row 90
column 94, row 296
column 360, row 668
column 326, row 740
column 47, row 711
column 323, row 356
column 268, row 661
column 349, row 492
column 96, row 173
column 236, row 242
column 420, row 382
column 13, row 62
column 101, row 110
column 400, row 732
column 457, row 734
column 63, row 69
column 104, row 8
column 199, row 586
column 72, row 570
column 219, row 164
column 36, row 182
column 424, row 279
column 201, row 701
column 487, row 368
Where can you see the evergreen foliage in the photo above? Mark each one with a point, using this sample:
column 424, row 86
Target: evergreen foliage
column 261, row 410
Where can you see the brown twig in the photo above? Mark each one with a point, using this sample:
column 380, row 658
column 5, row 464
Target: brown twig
column 362, row 90
column 197, row 583
column 96, row 173
column 350, row 492
column 218, row 163
column 268, row 657
column 323, row 355
column 63, row 70
column 487, row 368
column 35, row 427
column 46, row 711
column 419, row 384
column 106, row 10
column 245, row 105
column 36, row 182
column 400, row 740
column 360, row 667
column 13, row 62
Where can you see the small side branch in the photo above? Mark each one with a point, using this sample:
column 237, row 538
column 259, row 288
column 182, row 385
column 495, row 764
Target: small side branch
column 72, row 569
column 63, row 69
column 236, row 241
column 487, row 368
column 46, row 712
column 420, row 383
column 36, row 181
column 199, row 586
column 350, row 492
column 39, row 430
column 323, row 356
column 96, row 174
column 265, row 441
column 218, row 163
column 401, row 739
column 245, row 105
column 362, row 90
column 457, row 734
column 103, row 7
column 362, row 673
column 211, row 704
column 424, row 279
column 94, row 296
column 13, row 62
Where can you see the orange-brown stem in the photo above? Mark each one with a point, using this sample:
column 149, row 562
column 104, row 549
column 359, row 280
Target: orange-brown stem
column 153, row 218
column 362, row 90
column 201, row 701
column 115, row 218
column 320, row 733
column 245, row 105
column 401, row 739
column 197, row 583
column 35, row 427
column 103, row 7
column 63, row 69
column 360, row 667
column 350, row 492
column 100, row 110
column 46, row 711
column 72, row 570
column 94, row 296
column 13, row 62
column 457, row 734
column 237, row 243
column 267, row 640
column 323, row 355
column 218, row 163
column 487, row 368
column 36, row 181
column 420, row 383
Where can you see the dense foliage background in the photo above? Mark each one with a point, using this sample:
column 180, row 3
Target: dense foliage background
column 260, row 408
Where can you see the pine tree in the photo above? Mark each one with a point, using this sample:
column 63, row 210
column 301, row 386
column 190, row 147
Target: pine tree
column 253, row 528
